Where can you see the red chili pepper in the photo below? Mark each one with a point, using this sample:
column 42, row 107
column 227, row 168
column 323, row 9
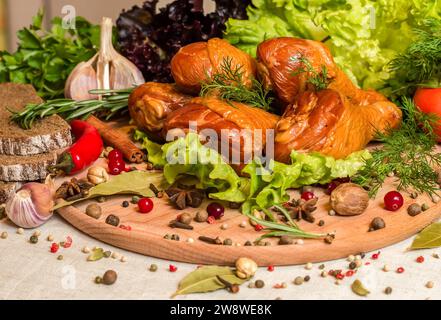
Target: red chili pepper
column 172, row 268
column 420, row 259
column 83, row 152
column 340, row 276
column 349, row 273
column 270, row 268
column 375, row 255
column 400, row 270
column 211, row 220
column 258, row 227
column 67, row 243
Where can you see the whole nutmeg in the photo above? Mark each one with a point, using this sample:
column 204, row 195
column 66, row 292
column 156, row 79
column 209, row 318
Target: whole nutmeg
column 349, row 199
column 97, row 175
column 245, row 268
column 93, row 210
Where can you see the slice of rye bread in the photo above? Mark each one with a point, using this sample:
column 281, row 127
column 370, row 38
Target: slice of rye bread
column 7, row 189
column 46, row 135
column 32, row 168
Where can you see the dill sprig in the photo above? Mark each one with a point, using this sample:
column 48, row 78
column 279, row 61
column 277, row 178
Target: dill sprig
column 420, row 64
column 408, row 153
column 112, row 102
column 228, row 84
column 319, row 80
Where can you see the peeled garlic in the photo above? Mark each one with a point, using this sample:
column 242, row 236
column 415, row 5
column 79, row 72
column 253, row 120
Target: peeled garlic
column 97, row 175
column 106, row 70
column 31, row 206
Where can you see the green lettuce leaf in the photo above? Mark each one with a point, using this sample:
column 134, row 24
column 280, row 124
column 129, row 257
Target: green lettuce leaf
column 261, row 187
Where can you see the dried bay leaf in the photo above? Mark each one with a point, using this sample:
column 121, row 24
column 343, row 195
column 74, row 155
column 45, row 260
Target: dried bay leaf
column 134, row 183
column 97, row 254
column 204, row 279
column 429, row 238
column 358, row 288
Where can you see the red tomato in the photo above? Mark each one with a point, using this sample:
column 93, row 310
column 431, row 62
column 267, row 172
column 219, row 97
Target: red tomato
column 429, row 101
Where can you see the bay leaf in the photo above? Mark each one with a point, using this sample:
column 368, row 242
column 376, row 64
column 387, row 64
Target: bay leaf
column 204, row 279
column 429, row 238
column 358, row 288
column 133, row 183
column 97, row 254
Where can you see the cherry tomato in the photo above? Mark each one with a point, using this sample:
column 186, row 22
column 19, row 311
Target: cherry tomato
column 116, row 167
column 115, row 155
column 145, row 205
column 428, row 100
column 393, row 200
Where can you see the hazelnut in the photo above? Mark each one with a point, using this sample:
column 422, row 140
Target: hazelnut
column 97, row 175
column 109, row 277
column 349, row 199
column 185, row 218
column 245, row 268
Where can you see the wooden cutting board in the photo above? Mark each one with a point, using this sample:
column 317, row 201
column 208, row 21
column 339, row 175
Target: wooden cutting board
column 148, row 230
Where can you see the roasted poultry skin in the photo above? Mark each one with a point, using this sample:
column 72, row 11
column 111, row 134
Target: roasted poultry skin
column 218, row 115
column 151, row 103
column 198, row 62
column 278, row 60
column 331, row 124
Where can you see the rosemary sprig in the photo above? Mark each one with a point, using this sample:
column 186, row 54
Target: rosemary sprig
column 276, row 229
column 111, row 103
column 228, row 84
column 319, row 80
column 408, row 153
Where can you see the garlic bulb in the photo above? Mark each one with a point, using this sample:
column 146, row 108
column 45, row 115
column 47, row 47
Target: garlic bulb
column 106, row 70
column 31, row 206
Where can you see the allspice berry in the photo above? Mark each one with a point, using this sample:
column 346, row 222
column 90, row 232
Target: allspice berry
column 185, row 218
column 349, row 199
column 112, row 220
column 377, row 224
column 109, row 277
column 286, row 240
column 414, row 209
column 93, row 210
column 201, row 216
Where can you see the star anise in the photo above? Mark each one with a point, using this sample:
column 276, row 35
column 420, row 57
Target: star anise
column 72, row 188
column 183, row 197
column 302, row 209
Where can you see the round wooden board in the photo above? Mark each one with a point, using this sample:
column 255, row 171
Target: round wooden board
column 148, row 230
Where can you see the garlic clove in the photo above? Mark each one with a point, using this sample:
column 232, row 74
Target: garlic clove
column 81, row 80
column 31, row 206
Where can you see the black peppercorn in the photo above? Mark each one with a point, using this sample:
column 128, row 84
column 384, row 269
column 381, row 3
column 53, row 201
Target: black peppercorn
column 228, row 242
column 248, row 243
column 259, row 284
column 125, row 204
column 112, row 220
column 353, row 265
column 33, row 239
column 307, row 278
column 414, row 210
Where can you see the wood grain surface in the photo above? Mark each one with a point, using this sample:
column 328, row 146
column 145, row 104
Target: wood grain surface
column 148, row 230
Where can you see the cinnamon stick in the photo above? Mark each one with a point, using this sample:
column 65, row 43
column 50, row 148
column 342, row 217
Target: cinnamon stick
column 117, row 140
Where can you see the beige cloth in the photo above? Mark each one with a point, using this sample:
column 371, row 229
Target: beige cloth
column 30, row 271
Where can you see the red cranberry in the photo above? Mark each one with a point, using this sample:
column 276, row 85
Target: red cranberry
column 145, row 205
column 393, row 200
column 115, row 155
column 116, row 167
column 215, row 210
column 307, row 195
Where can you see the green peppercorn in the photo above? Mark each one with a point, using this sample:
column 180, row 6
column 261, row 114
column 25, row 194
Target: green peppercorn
column 425, row 207
column 259, row 284
column 98, row 280
column 153, row 267
column 112, row 220
column 33, row 239
column 135, row 199
column 107, row 254
column 101, row 199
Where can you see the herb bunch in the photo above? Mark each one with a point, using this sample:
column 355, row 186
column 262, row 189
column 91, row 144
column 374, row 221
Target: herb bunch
column 45, row 58
column 408, row 153
column 228, row 84
column 319, row 80
column 420, row 64
column 112, row 102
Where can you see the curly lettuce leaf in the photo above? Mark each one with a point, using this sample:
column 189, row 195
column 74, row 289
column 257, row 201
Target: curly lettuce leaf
column 262, row 187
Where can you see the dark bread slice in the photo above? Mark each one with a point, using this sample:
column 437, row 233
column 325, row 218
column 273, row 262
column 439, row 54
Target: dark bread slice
column 46, row 135
column 6, row 190
column 31, row 168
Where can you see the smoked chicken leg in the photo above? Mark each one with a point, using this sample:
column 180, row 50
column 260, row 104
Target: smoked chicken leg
column 329, row 123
